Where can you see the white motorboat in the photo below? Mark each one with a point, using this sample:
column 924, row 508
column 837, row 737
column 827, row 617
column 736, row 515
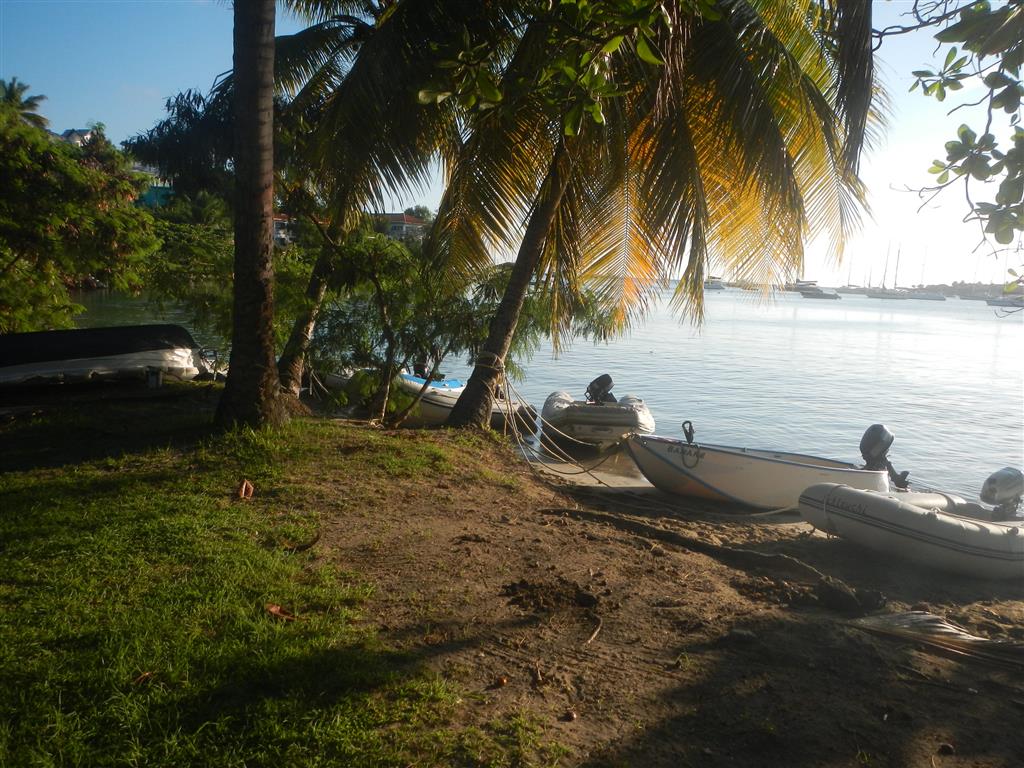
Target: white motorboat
column 88, row 354
column 1007, row 301
column 937, row 530
column 442, row 394
column 814, row 292
column 599, row 421
column 763, row 479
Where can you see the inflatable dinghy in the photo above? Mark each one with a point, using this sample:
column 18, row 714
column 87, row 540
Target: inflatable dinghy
column 600, row 421
column 937, row 530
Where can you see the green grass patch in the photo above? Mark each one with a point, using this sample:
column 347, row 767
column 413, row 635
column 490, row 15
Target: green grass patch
column 134, row 594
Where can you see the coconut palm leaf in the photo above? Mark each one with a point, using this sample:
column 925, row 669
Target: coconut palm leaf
column 12, row 94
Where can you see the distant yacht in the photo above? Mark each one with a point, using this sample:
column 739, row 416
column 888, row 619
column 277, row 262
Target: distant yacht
column 887, row 293
column 814, row 292
column 926, row 295
column 801, row 285
column 714, row 284
column 1006, row 301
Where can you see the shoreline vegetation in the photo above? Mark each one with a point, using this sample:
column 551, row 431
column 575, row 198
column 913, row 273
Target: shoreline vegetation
column 422, row 598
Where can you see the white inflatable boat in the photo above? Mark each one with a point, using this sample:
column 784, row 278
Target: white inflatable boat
column 441, row 395
column 936, row 530
column 762, row 479
column 599, row 421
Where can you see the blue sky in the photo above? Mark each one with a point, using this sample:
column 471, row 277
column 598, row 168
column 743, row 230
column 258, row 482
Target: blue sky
column 117, row 61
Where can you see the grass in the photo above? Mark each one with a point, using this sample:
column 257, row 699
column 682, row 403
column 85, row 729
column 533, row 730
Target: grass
column 134, row 594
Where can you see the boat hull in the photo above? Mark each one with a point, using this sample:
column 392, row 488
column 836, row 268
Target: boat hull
column 753, row 478
column 929, row 536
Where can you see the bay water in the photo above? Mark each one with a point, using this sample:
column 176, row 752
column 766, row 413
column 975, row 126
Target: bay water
column 796, row 374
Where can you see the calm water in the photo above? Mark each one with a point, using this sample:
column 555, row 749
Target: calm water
column 807, row 376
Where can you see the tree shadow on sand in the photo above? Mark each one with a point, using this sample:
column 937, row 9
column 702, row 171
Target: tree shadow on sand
column 805, row 692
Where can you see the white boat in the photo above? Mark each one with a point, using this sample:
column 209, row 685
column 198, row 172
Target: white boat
column 763, row 479
column 442, row 394
column 1006, row 301
column 598, row 421
column 940, row 531
column 88, row 354
column 923, row 295
column 714, row 284
column 888, row 293
column 814, row 292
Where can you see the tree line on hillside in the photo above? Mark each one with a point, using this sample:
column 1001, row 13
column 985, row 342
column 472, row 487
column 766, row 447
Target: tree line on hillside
column 606, row 146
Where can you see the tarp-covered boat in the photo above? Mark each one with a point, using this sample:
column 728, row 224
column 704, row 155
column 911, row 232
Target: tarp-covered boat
column 937, row 530
column 763, row 479
column 85, row 354
column 599, row 421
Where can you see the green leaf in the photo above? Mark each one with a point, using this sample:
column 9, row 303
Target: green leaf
column 643, row 49
column 943, row 177
column 612, row 45
column 428, row 96
column 950, row 57
column 573, row 118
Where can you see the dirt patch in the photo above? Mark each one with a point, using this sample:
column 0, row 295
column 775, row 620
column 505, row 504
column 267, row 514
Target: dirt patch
column 630, row 649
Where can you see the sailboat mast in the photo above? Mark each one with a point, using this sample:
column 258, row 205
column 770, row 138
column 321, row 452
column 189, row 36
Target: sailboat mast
column 885, row 274
column 896, row 274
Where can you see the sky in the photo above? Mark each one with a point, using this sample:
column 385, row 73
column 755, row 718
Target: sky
column 118, row 61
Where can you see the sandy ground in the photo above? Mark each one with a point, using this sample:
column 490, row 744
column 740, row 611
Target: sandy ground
column 574, row 602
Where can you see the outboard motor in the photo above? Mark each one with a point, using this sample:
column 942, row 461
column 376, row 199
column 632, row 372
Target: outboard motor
column 600, row 390
column 874, row 447
column 1003, row 490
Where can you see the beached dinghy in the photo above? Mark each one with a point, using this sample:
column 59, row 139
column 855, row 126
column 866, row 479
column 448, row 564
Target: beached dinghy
column 85, row 354
column 600, row 421
column 936, row 530
column 441, row 396
column 756, row 478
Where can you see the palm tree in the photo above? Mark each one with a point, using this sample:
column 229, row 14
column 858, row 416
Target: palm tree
column 359, row 66
column 12, row 93
column 251, row 394
column 743, row 144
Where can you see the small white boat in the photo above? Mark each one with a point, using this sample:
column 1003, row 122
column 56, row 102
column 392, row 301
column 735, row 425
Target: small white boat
column 892, row 294
column 442, row 394
column 815, row 292
column 599, row 421
column 1006, row 301
column 763, row 479
column 937, row 530
column 89, row 354
column 714, row 284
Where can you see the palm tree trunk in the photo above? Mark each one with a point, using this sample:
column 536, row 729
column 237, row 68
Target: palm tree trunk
column 251, row 395
column 474, row 404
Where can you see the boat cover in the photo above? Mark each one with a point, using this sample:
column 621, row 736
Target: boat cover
column 78, row 343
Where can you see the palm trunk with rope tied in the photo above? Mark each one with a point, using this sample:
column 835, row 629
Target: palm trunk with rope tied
column 474, row 405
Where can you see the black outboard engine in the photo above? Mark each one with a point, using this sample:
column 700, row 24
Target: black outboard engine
column 600, row 390
column 874, row 447
column 1003, row 490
